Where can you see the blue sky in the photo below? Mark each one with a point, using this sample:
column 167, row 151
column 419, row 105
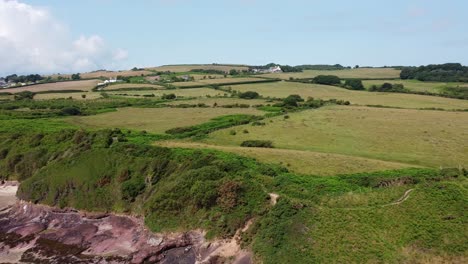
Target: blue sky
column 364, row 32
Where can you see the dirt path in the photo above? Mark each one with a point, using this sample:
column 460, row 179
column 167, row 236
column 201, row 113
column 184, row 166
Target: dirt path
column 402, row 198
column 273, row 198
column 7, row 194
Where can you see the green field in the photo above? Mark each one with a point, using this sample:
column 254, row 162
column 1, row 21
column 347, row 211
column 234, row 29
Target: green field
column 283, row 89
column 428, row 138
column 221, row 101
column 362, row 73
column 303, row 162
column 156, row 120
column 415, row 85
column 189, row 92
column 74, row 96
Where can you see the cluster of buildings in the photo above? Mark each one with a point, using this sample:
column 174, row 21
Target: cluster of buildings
column 274, row 69
column 110, row 81
column 5, row 84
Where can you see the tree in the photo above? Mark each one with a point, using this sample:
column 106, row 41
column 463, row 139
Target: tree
column 72, row 111
column 233, row 72
column 249, row 95
column 293, row 100
column 327, row 79
column 76, row 76
column 354, row 84
column 169, row 96
column 26, row 95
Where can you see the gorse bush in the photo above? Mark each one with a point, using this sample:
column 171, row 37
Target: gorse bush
column 257, row 144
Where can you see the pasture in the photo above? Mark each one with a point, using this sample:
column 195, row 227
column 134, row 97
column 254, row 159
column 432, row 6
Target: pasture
column 221, row 101
column 84, row 85
column 218, row 81
column 189, row 67
column 74, row 96
column 105, row 74
column 135, row 86
column 298, row 161
column 283, row 89
column 414, row 85
column 156, row 120
column 361, row 73
column 189, row 92
column 426, row 138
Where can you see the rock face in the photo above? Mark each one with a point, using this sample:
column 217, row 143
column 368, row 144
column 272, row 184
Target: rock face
column 40, row 234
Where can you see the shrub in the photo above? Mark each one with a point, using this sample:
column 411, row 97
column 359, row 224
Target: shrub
column 25, row 95
column 71, row 111
column 327, row 79
column 354, row 84
column 249, row 95
column 232, row 133
column 292, row 100
column 169, row 96
column 257, row 144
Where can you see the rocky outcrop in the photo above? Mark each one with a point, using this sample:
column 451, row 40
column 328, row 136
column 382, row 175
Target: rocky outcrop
column 40, row 234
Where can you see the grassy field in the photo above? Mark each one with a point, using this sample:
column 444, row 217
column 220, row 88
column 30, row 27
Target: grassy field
column 304, row 162
column 427, row 138
column 219, row 81
column 371, row 73
column 283, row 89
column 85, row 85
column 75, row 96
column 105, row 74
column 187, row 68
column 415, row 85
column 221, row 101
column 156, row 120
column 133, row 86
column 189, row 92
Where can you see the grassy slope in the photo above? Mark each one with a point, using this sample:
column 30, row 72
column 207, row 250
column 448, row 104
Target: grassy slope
column 156, row 120
column 283, row 89
column 348, row 73
column 407, row 136
column 190, row 92
column 317, row 219
column 414, row 85
column 304, row 162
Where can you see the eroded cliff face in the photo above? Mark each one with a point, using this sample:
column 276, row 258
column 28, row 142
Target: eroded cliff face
column 41, row 234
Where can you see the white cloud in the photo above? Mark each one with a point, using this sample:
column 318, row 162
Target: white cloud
column 32, row 41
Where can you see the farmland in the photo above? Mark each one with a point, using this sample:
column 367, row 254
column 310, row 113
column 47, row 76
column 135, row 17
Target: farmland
column 104, row 74
column 379, row 180
column 189, row 92
column 156, row 120
column 361, row 73
column 189, row 67
column 283, row 89
column 85, row 85
column 410, row 136
column 414, row 85
column 218, row 81
column 303, row 162
column 135, row 86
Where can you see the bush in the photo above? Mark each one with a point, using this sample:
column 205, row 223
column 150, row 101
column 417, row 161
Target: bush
column 354, row 84
column 292, row 100
column 249, row 95
column 72, row 111
column 327, row 79
column 25, row 95
column 257, row 144
column 169, row 96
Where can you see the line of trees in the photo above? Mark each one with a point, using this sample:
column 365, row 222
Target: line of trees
column 23, row 78
column 448, row 72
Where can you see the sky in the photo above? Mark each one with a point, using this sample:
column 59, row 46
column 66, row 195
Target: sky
column 57, row 36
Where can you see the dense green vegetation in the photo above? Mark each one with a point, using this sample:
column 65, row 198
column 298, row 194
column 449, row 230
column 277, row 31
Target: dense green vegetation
column 449, row 72
column 380, row 217
column 178, row 189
